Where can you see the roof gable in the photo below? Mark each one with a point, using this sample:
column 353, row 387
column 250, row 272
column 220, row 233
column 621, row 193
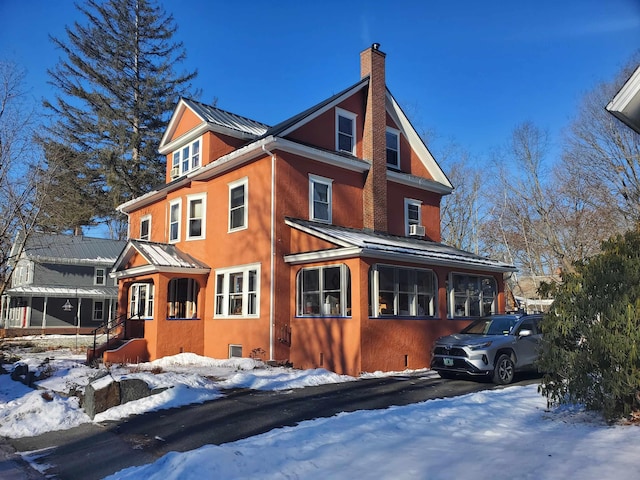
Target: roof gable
column 140, row 257
column 211, row 119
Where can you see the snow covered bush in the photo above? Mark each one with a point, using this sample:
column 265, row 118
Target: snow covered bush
column 591, row 347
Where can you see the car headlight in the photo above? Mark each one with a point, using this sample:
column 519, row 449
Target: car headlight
column 481, row 345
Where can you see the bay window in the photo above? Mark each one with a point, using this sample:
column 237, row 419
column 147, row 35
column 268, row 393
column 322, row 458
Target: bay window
column 400, row 291
column 472, row 295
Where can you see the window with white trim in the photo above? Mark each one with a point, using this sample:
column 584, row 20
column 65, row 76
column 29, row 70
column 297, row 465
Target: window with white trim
column 235, row 351
column 412, row 213
column 99, row 277
column 174, row 220
column 320, row 198
column 145, row 228
column 324, row 291
column 238, row 204
column 182, row 298
column 345, row 131
column 98, row 310
column 404, row 292
column 238, row 291
column 185, row 159
column 393, row 148
column 196, row 213
column 141, row 300
column 472, row 295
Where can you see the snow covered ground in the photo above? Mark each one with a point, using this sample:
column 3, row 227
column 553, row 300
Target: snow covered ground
column 507, row 433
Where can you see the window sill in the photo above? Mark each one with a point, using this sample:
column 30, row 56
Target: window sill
column 185, row 318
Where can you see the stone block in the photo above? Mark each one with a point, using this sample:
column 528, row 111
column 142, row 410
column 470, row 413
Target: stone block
column 101, row 395
column 133, row 389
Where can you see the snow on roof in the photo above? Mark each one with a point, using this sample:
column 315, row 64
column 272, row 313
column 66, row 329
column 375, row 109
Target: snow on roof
column 71, row 249
column 384, row 244
column 37, row 291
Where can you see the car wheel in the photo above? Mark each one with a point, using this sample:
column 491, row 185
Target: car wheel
column 504, row 370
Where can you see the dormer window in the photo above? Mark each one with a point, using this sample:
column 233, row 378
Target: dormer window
column 345, row 131
column 393, row 148
column 185, row 159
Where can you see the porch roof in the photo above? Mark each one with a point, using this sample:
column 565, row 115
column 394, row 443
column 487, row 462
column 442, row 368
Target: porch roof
column 160, row 257
column 352, row 242
column 73, row 292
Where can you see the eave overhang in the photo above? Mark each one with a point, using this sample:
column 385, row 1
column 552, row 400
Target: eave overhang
column 625, row 106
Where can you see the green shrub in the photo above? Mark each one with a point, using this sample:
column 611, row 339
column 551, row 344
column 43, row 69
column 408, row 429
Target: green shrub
column 592, row 333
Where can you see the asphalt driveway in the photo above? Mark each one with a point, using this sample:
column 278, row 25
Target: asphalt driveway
column 93, row 451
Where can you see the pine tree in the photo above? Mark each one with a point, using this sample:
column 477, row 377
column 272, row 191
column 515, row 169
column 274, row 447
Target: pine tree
column 591, row 346
column 117, row 87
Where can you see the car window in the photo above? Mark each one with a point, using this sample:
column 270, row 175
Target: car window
column 527, row 325
column 491, row 326
column 501, row 326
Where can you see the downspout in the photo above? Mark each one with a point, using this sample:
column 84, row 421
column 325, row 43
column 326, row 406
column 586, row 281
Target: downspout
column 272, row 253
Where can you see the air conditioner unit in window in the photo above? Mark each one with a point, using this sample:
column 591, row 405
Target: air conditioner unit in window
column 416, row 230
column 175, row 172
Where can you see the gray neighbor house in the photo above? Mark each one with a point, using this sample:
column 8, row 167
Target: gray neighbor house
column 60, row 285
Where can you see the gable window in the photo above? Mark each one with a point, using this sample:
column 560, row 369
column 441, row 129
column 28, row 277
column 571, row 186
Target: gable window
column 345, row 131
column 472, row 295
column 141, row 300
column 99, row 277
column 393, row 148
column 145, row 228
column 238, row 207
column 174, row 221
column 399, row 291
column 98, row 310
column 196, row 217
column 185, row 159
column 320, row 198
column 237, row 291
column 412, row 214
column 182, row 298
column 324, row 291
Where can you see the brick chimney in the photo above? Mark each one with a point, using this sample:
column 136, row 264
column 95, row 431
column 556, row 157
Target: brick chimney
column 374, row 147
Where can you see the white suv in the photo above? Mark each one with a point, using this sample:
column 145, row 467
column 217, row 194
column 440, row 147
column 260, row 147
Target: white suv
column 497, row 345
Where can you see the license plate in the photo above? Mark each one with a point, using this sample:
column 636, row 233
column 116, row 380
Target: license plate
column 448, row 362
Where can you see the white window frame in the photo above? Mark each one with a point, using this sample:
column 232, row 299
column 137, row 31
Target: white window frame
column 329, row 300
column 476, row 298
column 224, row 295
column 174, row 203
column 96, row 277
column 134, row 294
column 94, row 310
column 243, row 182
column 145, row 219
column 411, row 202
column 393, row 307
column 395, row 133
column 192, row 162
column 328, row 182
column 350, row 116
column 203, row 224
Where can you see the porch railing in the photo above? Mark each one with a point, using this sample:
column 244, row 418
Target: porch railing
column 107, row 332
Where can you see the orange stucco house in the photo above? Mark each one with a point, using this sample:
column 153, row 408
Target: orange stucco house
column 313, row 242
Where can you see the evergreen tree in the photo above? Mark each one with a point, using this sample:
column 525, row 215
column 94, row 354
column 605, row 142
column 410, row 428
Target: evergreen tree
column 591, row 346
column 117, row 88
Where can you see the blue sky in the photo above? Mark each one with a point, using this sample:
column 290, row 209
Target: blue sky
column 470, row 70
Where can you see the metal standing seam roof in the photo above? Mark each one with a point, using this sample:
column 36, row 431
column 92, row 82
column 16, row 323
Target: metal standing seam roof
column 216, row 116
column 391, row 244
column 70, row 249
column 41, row 291
column 161, row 255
